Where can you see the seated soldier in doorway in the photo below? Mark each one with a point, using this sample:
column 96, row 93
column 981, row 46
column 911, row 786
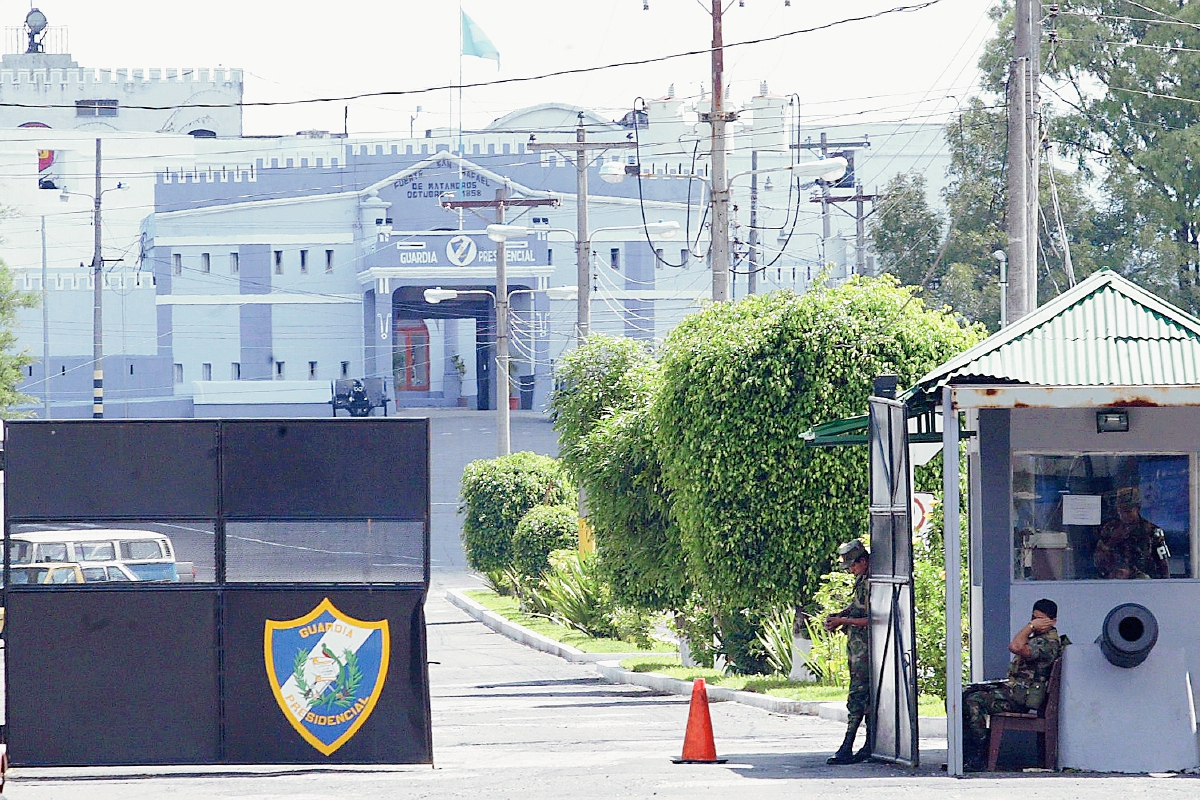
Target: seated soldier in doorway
column 1035, row 648
column 1131, row 546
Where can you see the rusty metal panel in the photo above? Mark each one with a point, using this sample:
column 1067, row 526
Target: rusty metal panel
column 1006, row 396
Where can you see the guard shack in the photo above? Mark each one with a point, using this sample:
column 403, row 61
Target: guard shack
column 1082, row 430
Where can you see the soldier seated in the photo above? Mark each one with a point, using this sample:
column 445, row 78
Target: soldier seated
column 1035, row 647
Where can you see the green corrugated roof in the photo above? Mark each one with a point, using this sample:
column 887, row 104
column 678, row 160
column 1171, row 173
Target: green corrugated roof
column 1105, row 331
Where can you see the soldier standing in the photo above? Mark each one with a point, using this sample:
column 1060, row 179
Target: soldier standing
column 1035, row 647
column 855, row 621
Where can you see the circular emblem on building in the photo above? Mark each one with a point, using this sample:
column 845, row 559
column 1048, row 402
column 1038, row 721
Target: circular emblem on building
column 461, row 250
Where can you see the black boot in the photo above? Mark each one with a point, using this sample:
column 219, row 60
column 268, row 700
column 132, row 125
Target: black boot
column 974, row 755
column 864, row 752
column 845, row 753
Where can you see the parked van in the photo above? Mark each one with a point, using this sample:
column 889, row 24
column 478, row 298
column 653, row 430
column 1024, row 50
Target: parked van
column 147, row 555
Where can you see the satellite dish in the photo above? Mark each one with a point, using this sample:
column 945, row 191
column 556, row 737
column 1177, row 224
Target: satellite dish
column 36, row 21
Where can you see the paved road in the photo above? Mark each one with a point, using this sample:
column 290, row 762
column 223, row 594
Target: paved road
column 510, row 722
column 460, row 436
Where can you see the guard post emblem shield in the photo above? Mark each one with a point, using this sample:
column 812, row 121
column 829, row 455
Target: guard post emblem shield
column 327, row 671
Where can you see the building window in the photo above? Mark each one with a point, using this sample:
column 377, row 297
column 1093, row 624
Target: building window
column 178, row 373
column 206, row 372
column 278, row 262
column 614, row 258
column 1107, row 516
column 205, row 262
column 329, row 261
column 658, row 257
column 685, row 256
column 177, row 264
column 312, row 370
column 345, row 369
column 234, row 266
column 235, row 371
column 550, row 256
column 303, row 262
column 280, row 373
column 96, row 108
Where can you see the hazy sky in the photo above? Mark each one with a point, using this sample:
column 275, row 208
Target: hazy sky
column 916, row 65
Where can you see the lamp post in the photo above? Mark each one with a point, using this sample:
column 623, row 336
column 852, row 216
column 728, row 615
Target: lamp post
column 97, row 291
column 438, row 295
column 1002, row 257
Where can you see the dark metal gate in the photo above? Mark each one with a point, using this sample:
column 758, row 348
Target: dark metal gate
column 260, row 592
column 893, row 632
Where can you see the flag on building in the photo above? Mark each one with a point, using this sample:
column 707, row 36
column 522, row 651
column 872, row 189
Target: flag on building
column 475, row 42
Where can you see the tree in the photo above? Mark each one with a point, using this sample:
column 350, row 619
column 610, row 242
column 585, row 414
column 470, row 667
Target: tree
column 1120, row 80
column 12, row 363
column 759, row 514
column 959, row 271
column 607, row 441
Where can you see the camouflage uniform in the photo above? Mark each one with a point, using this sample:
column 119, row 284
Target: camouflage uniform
column 858, row 652
column 1023, row 690
column 1131, row 546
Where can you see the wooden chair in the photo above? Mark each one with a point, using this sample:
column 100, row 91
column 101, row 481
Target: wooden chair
column 1043, row 722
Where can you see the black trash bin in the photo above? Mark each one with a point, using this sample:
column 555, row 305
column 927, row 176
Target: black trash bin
column 526, row 384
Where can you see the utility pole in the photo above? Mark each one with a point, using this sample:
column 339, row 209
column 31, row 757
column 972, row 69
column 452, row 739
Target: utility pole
column 1023, row 137
column 501, row 203
column 860, row 231
column 752, row 255
column 45, row 331
column 828, row 201
column 97, row 303
column 717, row 117
column 582, row 148
column 1018, row 187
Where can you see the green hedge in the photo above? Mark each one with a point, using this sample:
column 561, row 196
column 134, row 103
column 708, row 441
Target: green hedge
column 541, row 531
column 760, row 515
column 496, row 493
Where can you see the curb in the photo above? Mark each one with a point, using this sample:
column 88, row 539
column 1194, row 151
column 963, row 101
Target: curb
column 609, row 667
column 611, row 670
column 521, row 634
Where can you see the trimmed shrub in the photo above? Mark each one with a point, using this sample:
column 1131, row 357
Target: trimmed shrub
column 496, row 493
column 541, row 531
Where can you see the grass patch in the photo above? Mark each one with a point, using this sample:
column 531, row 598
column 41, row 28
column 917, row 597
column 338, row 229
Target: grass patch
column 510, row 609
column 774, row 685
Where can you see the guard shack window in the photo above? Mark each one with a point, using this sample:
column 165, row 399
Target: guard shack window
column 1102, row 516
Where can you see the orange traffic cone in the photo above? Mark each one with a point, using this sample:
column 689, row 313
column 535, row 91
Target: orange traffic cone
column 698, row 745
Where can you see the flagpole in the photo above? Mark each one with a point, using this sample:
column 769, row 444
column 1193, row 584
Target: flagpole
column 460, row 111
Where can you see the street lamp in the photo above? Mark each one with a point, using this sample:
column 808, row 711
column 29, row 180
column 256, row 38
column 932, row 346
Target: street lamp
column 500, row 301
column 98, row 290
column 1002, row 257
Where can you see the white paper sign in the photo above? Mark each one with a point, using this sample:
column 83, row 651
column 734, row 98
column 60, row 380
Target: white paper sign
column 1081, row 509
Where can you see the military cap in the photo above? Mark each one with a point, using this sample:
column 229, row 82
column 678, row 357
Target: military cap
column 1129, row 496
column 850, row 552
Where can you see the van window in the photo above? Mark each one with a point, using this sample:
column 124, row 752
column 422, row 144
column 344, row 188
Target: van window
column 52, row 551
column 141, row 549
column 95, row 551
column 94, row 574
column 155, row 572
column 63, row 576
column 20, row 552
column 115, row 574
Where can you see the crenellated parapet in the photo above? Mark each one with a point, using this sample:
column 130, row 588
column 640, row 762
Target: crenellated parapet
column 194, row 79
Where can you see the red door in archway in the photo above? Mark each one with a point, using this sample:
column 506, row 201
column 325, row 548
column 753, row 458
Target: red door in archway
column 410, row 356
